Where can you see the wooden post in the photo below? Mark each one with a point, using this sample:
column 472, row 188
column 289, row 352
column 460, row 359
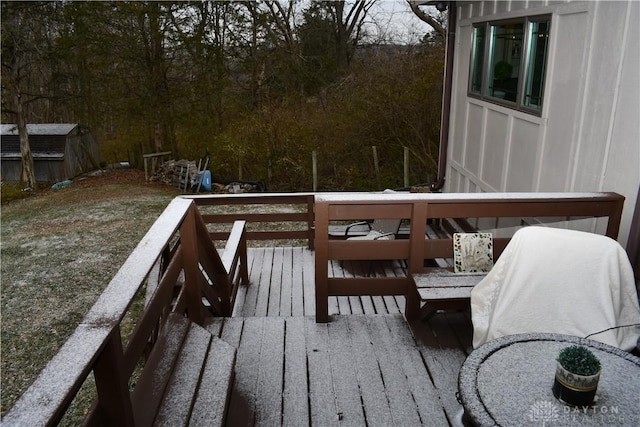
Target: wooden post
column 154, row 163
column 321, row 260
column 615, row 216
column 406, row 167
column 190, row 259
column 239, row 168
column 314, row 166
column 310, row 222
column 114, row 401
column 419, row 214
column 376, row 165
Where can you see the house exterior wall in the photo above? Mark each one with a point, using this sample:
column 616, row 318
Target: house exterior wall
column 587, row 137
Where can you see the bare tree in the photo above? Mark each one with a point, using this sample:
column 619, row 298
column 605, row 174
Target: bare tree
column 434, row 21
column 348, row 19
column 26, row 50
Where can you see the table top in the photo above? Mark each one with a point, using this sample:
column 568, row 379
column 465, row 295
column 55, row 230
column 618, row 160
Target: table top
column 508, row 382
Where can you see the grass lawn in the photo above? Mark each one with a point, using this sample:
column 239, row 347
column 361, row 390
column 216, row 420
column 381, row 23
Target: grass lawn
column 59, row 250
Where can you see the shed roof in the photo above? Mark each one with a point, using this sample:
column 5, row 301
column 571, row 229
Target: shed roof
column 40, row 129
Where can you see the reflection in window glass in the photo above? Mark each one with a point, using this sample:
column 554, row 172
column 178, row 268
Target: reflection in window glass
column 538, row 45
column 504, row 64
column 478, row 59
column 508, row 62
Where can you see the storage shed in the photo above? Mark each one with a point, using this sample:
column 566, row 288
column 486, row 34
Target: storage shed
column 60, row 151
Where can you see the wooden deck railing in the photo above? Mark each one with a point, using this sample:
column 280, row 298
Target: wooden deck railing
column 293, row 209
column 421, row 209
column 97, row 345
column 179, row 242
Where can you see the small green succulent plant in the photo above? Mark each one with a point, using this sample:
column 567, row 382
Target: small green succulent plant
column 579, row 360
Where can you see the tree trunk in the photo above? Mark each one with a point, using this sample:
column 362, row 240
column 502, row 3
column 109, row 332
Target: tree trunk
column 347, row 28
column 27, row 169
column 430, row 20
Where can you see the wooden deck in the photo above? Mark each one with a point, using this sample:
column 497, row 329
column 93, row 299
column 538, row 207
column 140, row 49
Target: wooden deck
column 362, row 365
column 367, row 366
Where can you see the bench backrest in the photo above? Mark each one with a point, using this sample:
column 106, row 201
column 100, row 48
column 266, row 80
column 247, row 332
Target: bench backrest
column 504, row 213
column 422, row 210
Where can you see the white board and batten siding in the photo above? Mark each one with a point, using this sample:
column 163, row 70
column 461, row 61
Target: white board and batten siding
column 588, row 135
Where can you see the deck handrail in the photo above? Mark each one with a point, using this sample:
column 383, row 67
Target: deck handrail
column 305, row 216
column 420, row 208
column 97, row 346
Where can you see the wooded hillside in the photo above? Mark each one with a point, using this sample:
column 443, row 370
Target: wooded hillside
column 257, row 85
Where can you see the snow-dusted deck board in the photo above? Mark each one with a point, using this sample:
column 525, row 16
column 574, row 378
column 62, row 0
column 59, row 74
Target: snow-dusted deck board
column 267, row 288
column 376, row 371
column 248, row 295
column 355, row 370
column 281, row 283
column 444, row 341
column 295, row 395
column 308, row 282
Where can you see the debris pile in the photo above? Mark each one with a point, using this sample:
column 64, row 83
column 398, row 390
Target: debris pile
column 182, row 174
column 241, row 187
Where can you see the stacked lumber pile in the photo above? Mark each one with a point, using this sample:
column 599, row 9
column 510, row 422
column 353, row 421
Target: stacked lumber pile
column 181, row 174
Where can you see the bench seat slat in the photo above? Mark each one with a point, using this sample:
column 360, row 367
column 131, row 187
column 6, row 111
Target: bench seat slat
column 148, row 392
column 445, row 278
column 443, row 284
column 183, row 383
column 212, row 400
column 434, row 294
column 187, row 378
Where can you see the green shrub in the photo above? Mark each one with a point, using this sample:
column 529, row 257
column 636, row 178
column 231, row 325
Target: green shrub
column 12, row 192
column 579, row 360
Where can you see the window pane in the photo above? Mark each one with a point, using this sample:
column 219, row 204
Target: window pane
column 477, row 60
column 504, row 65
column 538, row 45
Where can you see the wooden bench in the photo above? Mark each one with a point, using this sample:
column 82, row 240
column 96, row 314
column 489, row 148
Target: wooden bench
column 430, row 284
column 438, row 287
column 187, row 378
column 169, row 369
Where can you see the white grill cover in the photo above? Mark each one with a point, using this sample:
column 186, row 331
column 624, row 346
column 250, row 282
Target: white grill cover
column 559, row 281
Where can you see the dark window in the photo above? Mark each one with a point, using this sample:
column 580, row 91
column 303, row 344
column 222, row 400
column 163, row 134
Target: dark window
column 508, row 62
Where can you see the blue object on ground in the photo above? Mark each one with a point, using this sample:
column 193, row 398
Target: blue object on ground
column 205, row 180
column 62, row 184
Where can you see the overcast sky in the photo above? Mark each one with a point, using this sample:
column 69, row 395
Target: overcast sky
column 396, row 22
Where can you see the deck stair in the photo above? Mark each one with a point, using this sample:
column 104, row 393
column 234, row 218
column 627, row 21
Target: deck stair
column 187, row 379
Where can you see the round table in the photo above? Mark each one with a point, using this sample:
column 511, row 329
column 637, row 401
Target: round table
column 508, row 382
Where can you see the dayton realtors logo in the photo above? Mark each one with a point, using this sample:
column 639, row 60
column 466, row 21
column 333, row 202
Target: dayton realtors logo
column 544, row 412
